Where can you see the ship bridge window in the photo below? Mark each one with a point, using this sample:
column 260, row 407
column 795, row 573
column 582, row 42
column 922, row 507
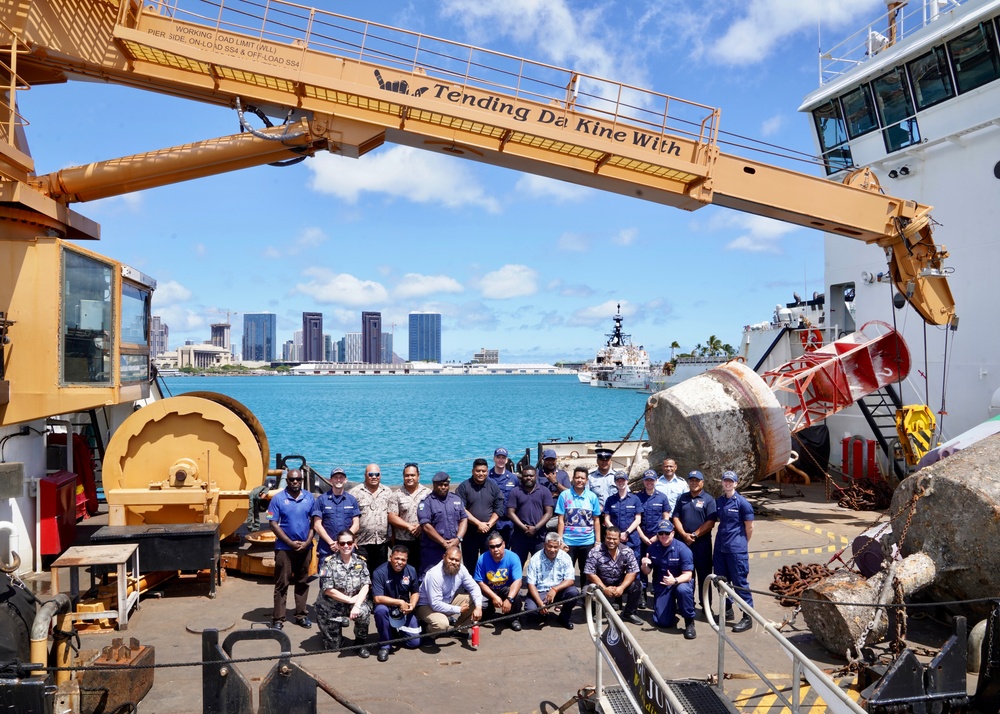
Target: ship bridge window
column 859, row 112
column 895, row 108
column 87, row 335
column 974, row 55
column 832, row 133
column 930, row 78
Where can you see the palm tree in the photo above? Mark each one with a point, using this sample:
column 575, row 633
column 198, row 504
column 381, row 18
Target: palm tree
column 729, row 350
column 714, row 346
column 675, row 345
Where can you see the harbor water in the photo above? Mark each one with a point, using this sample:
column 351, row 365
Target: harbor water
column 442, row 423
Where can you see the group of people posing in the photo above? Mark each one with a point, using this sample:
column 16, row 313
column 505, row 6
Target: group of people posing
column 417, row 556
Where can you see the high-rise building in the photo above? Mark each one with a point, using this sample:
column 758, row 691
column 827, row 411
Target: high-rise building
column 386, row 356
column 312, row 337
column 352, row 347
column 371, row 337
column 159, row 337
column 425, row 337
column 260, row 342
column 329, row 349
column 341, row 355
column 288, row 352
column 220, row 334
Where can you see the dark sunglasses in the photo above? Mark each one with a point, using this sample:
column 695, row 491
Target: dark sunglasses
column 374, row 473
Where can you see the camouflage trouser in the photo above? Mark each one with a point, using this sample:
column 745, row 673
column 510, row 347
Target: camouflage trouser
column 328, row 613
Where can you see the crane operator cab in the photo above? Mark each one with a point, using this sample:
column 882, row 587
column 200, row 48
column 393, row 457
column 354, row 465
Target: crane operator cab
column 75, row 329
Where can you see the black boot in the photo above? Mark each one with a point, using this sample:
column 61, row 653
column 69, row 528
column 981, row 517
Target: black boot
column 743, row 625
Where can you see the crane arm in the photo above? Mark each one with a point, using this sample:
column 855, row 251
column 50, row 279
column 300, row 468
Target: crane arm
column 360, row 84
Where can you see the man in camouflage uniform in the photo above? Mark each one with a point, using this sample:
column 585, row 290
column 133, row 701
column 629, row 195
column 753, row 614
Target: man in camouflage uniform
column 343, row 595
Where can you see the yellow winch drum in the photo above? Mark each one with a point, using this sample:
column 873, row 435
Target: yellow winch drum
column 187, row 459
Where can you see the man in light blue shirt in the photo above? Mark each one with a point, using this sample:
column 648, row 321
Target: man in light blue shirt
column 670, row 484
column 441, row 605
column 551, row 578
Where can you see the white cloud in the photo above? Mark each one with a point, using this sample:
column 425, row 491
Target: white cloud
column 760, row 234
column 760, row 25
column 509, row 282
column 772, row 126
column 402, row 172
column 601, row 314
column 308, row 239
column 415, row 285
column 127, row 203
column 329, row 288
column 566, row 36
column 169, row 292
column 181, row 320
column 543, row 187
column 573, row 243
column 626, row 236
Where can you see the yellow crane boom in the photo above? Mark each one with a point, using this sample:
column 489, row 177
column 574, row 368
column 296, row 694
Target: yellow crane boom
column 353, row 85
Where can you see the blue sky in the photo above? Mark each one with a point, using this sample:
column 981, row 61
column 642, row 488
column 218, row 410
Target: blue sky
column 525, row 265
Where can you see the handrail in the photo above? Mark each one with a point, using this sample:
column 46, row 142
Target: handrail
column 836, row 700
column 597, row 606
column 17, row 47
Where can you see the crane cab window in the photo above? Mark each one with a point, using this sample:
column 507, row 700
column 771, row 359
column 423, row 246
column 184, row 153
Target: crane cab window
column 895, row 109
column 930, row 78
column 134, row 362
column 86, row 320
column 832, row 133
column 975, row 57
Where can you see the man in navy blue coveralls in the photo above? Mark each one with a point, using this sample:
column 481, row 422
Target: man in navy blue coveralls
column 694, row 518
column 732, row 545
column 442, row 514
column 673, row 570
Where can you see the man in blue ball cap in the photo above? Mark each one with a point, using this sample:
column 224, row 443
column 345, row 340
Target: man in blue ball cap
column 694, row 518
column 672, row 567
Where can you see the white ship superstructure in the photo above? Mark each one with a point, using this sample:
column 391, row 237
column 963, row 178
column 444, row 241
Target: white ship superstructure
column 919, row 102
column 620, row 364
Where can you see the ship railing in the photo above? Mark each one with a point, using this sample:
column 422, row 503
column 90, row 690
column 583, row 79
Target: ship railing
column 879, row 36
column 837, row 701
column 8, row 67
column 645, row 682
column 455, row 64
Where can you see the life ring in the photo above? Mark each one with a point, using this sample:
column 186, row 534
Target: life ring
column 811, row 339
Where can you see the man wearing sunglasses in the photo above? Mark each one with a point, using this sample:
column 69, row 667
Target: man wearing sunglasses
column 373, row 535
column 289, row 517
column 498, row 574
column 672, row 566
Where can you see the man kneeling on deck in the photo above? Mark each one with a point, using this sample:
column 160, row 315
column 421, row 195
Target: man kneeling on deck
column 551, row 577
column 498, row 574
column 441, row 605
column 672, row 566
column 395, row 589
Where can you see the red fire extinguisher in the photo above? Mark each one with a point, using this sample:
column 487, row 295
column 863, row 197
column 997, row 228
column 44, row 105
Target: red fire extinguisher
column 475, row 637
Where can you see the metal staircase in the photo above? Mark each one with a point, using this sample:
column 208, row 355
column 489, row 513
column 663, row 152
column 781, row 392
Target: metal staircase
column 879, row 409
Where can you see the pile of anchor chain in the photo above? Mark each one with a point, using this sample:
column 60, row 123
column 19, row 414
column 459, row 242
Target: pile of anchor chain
column 865, row 495
column 790, row 581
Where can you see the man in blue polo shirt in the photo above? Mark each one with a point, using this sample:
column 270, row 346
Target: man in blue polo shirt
column 672, row 567
column 395, row 591
column 732, row 545
column 333, row 512
column 694, row 518
column 289, row 515
column 506, row 481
